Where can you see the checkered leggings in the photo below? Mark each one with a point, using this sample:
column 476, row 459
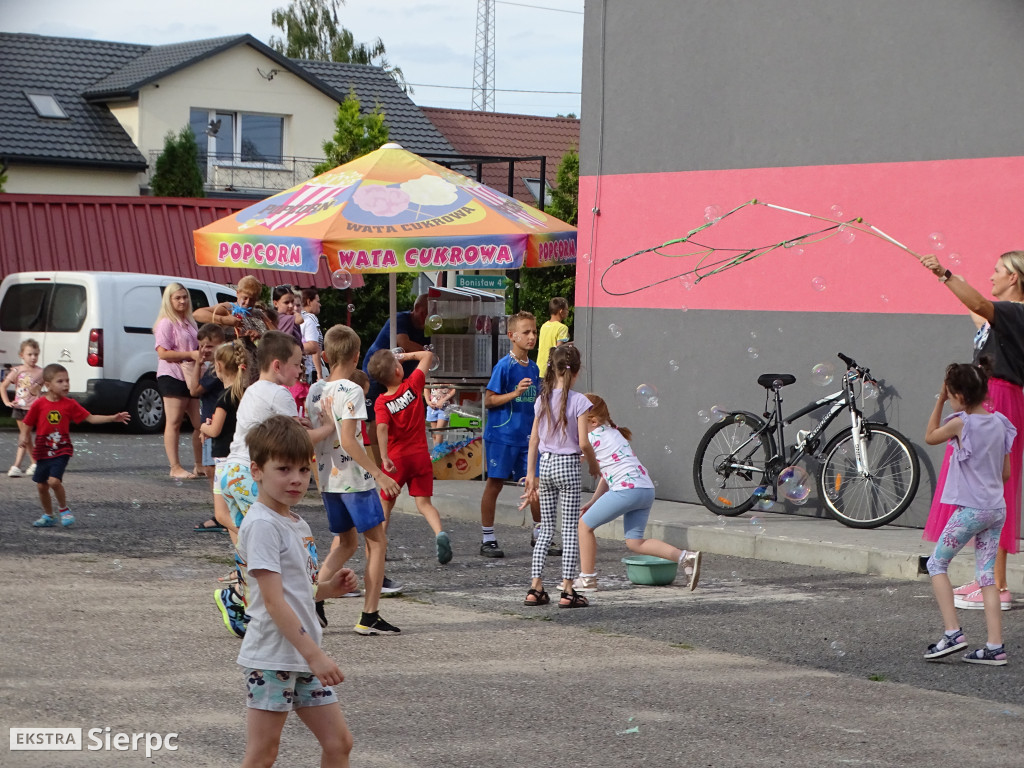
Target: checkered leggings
column 559, row 491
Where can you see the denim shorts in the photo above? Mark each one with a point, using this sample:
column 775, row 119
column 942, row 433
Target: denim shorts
column 47, row 468
column 361, row 510
column 208, row 453
column 283, row 691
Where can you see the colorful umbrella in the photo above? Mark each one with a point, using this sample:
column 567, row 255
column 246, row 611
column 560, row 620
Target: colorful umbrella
column 388, row 211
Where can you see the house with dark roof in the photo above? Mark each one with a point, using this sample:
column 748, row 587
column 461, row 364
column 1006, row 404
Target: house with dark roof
column 504, row 135
column 90, row 117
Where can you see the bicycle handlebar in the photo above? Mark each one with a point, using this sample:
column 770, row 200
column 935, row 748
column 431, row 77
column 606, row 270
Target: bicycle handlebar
column 851, row 365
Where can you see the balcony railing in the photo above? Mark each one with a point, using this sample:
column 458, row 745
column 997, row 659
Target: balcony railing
column 230, row 173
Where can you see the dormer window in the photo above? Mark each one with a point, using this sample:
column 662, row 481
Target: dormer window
column 46, row 105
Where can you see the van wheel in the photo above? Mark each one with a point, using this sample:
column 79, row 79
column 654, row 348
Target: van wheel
column 146, row 407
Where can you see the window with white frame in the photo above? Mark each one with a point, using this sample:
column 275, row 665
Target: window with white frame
column 238, row 137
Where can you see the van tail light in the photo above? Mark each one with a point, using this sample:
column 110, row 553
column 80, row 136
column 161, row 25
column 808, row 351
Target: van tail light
column 95, row 357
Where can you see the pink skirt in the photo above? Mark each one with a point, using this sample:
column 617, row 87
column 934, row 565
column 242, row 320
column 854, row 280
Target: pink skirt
column 1008, row 399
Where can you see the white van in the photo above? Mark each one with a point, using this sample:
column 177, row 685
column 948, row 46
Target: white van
column 98, row 325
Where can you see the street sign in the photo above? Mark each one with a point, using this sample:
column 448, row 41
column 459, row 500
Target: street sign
column 481, row 282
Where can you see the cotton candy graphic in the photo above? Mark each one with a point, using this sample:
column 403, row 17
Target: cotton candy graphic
column 381, row 201
column 430, row 190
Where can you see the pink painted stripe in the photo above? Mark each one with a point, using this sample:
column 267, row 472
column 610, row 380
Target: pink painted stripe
column 975, row 204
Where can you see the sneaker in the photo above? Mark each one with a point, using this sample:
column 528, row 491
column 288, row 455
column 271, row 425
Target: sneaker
column 966, row 589
column 353, row 593
column 491, row 549
column 444, row 548
column 66, row 518
column 585, row 584
column 986, row 655
column 231, row 612
column 975, row 602
column 554, row 550
column 320, row 615
column 15, row 472
column 46, row 521
column 947, row 644
column 375, row 626
column 691, row 568
column 31, row 469
column 389, row 587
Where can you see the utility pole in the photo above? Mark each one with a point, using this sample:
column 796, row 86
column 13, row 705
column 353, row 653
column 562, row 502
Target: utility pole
column 483, row 61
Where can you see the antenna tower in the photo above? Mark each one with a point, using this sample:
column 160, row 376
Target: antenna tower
column 483, row 61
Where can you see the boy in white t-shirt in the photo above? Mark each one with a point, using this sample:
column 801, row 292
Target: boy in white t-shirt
column 285, row 668
column 279, row 357
column 348, row 477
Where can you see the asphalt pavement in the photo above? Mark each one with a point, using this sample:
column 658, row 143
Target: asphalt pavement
column 801, row 646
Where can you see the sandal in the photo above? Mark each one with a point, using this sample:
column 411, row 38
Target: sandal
column 576, row 600
column 205, row 527
column 539, row 597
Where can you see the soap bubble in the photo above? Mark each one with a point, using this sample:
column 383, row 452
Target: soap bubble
column 117, row 565
column 647, row 396
column 704, row 417
column 712, row 212
column 764, row 505
column 753, row 352
column 396, row 351
column 434, row 322
column 753, row 334
column 720, row 521
column 673, row 365
column 718, row 413
column 822, row 374
column 518, row 285
column 686, row 281
column 739, row 419
column 755, row 521
column 837, row 211
column 846, row 234
column 885, row 299
column 341, row 279
column 890, row 590
column 937, row 240
column 838, row 648
column 136, row 504
column 614, row 330
column 796, row 250
column 818, row 283
column 435, row 364
column 668, row 449
column 586, row 258
column 683, row 308
column 178, row 482
column 954, row 259
column 793, row 484
column 351, row 307
column 870, row 391
column 761, row 491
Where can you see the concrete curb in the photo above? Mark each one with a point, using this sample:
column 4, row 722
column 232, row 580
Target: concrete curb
column 889, row 551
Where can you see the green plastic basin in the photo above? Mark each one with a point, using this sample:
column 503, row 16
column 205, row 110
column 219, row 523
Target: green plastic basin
column 649, row 570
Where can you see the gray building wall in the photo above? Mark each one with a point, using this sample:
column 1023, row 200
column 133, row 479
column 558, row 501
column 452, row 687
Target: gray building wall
column 730, row 84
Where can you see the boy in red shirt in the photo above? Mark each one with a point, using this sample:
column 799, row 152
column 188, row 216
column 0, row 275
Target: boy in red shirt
column 404, row 456
column 51, row 416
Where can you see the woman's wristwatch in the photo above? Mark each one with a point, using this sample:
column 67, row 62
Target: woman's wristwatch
column 946, row 275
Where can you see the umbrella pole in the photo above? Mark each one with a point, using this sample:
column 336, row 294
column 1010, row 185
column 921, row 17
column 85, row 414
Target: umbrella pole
column 393, row 306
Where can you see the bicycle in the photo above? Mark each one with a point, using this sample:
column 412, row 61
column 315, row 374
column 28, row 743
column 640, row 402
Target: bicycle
column 868, row 473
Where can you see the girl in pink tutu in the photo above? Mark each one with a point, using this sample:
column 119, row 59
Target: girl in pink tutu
column 1001, row 338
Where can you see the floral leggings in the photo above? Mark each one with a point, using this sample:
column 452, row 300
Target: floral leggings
column 984, row 526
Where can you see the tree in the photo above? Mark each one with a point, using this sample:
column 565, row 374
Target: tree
column 312, row 31
column 177, row 169
column 369, row 305
column 538, row 286
column 355, row 134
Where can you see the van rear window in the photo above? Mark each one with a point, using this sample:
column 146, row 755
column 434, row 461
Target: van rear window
column 58, row 308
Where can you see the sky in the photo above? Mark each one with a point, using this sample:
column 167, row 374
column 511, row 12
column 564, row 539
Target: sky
column 538, row 43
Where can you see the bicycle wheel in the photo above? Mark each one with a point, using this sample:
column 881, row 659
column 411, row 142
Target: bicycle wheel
column 730, row 464
column 868, row 500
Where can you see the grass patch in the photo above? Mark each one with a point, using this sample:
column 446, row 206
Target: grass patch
column 878, row 678
column 8, row 422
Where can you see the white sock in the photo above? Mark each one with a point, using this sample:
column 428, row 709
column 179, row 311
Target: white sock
column 488, row 533
column 992, row 647
column 588, row 575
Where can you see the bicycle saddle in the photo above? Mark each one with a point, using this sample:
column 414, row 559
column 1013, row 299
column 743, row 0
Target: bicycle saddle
column 767, row 379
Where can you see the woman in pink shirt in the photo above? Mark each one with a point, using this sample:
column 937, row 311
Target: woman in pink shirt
column 175, row 337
